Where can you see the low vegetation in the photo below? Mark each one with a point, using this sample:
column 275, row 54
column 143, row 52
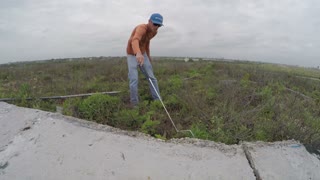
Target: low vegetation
column 221, row 101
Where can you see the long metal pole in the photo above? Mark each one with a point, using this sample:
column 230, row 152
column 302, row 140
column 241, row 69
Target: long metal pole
column 154, row 88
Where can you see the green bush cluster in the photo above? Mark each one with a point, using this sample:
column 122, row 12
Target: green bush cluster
column 99, row 108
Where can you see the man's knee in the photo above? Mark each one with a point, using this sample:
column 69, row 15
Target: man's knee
column 133, row 81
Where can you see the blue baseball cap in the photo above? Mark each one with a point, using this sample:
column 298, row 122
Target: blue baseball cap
column 156, row 18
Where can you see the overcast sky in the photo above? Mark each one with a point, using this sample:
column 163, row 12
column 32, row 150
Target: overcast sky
column 276, row 31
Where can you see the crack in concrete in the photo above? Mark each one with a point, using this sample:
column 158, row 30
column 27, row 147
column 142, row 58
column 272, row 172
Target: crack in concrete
column 4, row 165
column 251, row 161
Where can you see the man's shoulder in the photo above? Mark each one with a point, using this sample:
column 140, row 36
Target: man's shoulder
column 142, row 27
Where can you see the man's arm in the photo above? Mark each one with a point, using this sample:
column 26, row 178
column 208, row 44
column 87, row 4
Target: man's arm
column 148, row 50
column 139, row 32
column 137, row 36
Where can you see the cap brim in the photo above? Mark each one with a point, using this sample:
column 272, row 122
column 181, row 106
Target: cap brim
column 157, row 22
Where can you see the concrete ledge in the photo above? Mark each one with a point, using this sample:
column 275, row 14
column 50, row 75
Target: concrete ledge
column 42, row 145
column 283, row 160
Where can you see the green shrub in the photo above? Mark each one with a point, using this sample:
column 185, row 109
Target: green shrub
column 150, row 126
column 129, row 119
column 172, row 102
column 160, row 137
column 200, row 131
column 194, row 73
column 175, row 83
column 23, row 93
column 261, row 135
column 245, row 81
column 1, row 92
column 155, row 106
column 266, row 93
column 70, row 107
column 316, row 97
column 100, row 108
column 48, row 105
column 222, row 131
column 211, row 96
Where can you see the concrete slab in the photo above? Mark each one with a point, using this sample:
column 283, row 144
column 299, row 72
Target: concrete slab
column 42, row 145
column 59, row 147
column 13, row 121
column 283, row 160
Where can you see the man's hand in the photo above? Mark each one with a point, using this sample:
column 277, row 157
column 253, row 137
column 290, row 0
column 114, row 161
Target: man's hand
column 140, row 58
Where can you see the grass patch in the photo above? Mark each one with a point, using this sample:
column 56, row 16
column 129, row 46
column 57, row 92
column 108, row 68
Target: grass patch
column 222, row 101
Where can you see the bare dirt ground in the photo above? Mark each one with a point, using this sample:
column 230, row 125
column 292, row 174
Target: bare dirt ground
column 40, row 145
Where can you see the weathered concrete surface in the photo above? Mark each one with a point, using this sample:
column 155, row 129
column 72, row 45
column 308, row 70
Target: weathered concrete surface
column 283, row 160
column 39, row 145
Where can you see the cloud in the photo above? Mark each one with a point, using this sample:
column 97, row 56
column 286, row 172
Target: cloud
column 273, row 31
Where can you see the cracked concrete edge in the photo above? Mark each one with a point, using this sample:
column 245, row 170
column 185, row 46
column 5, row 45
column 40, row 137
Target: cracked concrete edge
column 228, row 149
column 285, row 160
column 251, row 161
column 232, row 149
column 244, row 148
